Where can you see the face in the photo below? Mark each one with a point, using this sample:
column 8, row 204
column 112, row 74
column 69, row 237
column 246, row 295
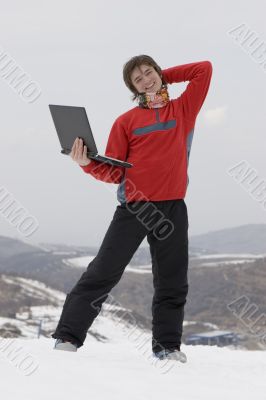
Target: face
column 146, row 79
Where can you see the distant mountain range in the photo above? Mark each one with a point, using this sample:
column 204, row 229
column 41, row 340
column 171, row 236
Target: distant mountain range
column 249, row 238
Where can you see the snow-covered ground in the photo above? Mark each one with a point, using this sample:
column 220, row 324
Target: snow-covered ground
column 116, row 363
column 79, row 262
column 123, row 369
column 139, row 270
column 83, row 262
column 34, row 288
column 216, row 260
column 233, row 255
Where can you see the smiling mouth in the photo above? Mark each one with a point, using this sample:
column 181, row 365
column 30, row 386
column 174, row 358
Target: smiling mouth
column 150, row 86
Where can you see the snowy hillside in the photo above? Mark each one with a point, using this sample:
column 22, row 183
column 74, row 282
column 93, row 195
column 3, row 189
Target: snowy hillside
column 82, row 262
column 196, row 260
column 115, row 363
column 120, row 367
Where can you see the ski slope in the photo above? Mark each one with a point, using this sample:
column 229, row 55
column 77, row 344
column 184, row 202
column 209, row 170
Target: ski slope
column 120, row 367
column 115, row 362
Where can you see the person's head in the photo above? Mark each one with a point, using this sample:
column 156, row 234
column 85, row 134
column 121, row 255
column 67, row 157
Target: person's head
column 142, row 74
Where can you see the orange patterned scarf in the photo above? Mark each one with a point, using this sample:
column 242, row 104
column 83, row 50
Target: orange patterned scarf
column 154, row 100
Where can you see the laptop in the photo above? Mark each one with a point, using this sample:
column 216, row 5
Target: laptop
column 72, row 122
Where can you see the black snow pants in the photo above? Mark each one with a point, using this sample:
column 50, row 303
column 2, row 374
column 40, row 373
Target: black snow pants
column 165, row 223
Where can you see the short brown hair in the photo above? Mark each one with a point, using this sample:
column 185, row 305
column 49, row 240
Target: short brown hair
column 136, row 62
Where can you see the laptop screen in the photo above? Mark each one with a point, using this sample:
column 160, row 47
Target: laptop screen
column 72, row 122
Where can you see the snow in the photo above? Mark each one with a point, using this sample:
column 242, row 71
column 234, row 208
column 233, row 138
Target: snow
column 119, row 366
column 79, row 262
column 208, row 324
column 219, row 263
column 225, row 259
column 121, row 370
column 231, row 255
column 83, row 262
column 34, row 288
column 138, row 270
column 213, row 333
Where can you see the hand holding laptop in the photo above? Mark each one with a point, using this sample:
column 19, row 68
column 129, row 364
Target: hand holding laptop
column 79, row 152
column 72, row 123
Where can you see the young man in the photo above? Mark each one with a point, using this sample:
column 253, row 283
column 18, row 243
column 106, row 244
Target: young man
column 156, row 137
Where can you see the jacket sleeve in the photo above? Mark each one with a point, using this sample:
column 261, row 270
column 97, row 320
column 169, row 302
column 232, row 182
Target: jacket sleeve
column 199, row 76
column 117, row 147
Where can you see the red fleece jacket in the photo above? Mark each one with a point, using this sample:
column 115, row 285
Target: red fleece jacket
column 156, row 141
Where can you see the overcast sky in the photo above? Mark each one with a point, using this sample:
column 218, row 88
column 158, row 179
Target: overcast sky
column 75, row 51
